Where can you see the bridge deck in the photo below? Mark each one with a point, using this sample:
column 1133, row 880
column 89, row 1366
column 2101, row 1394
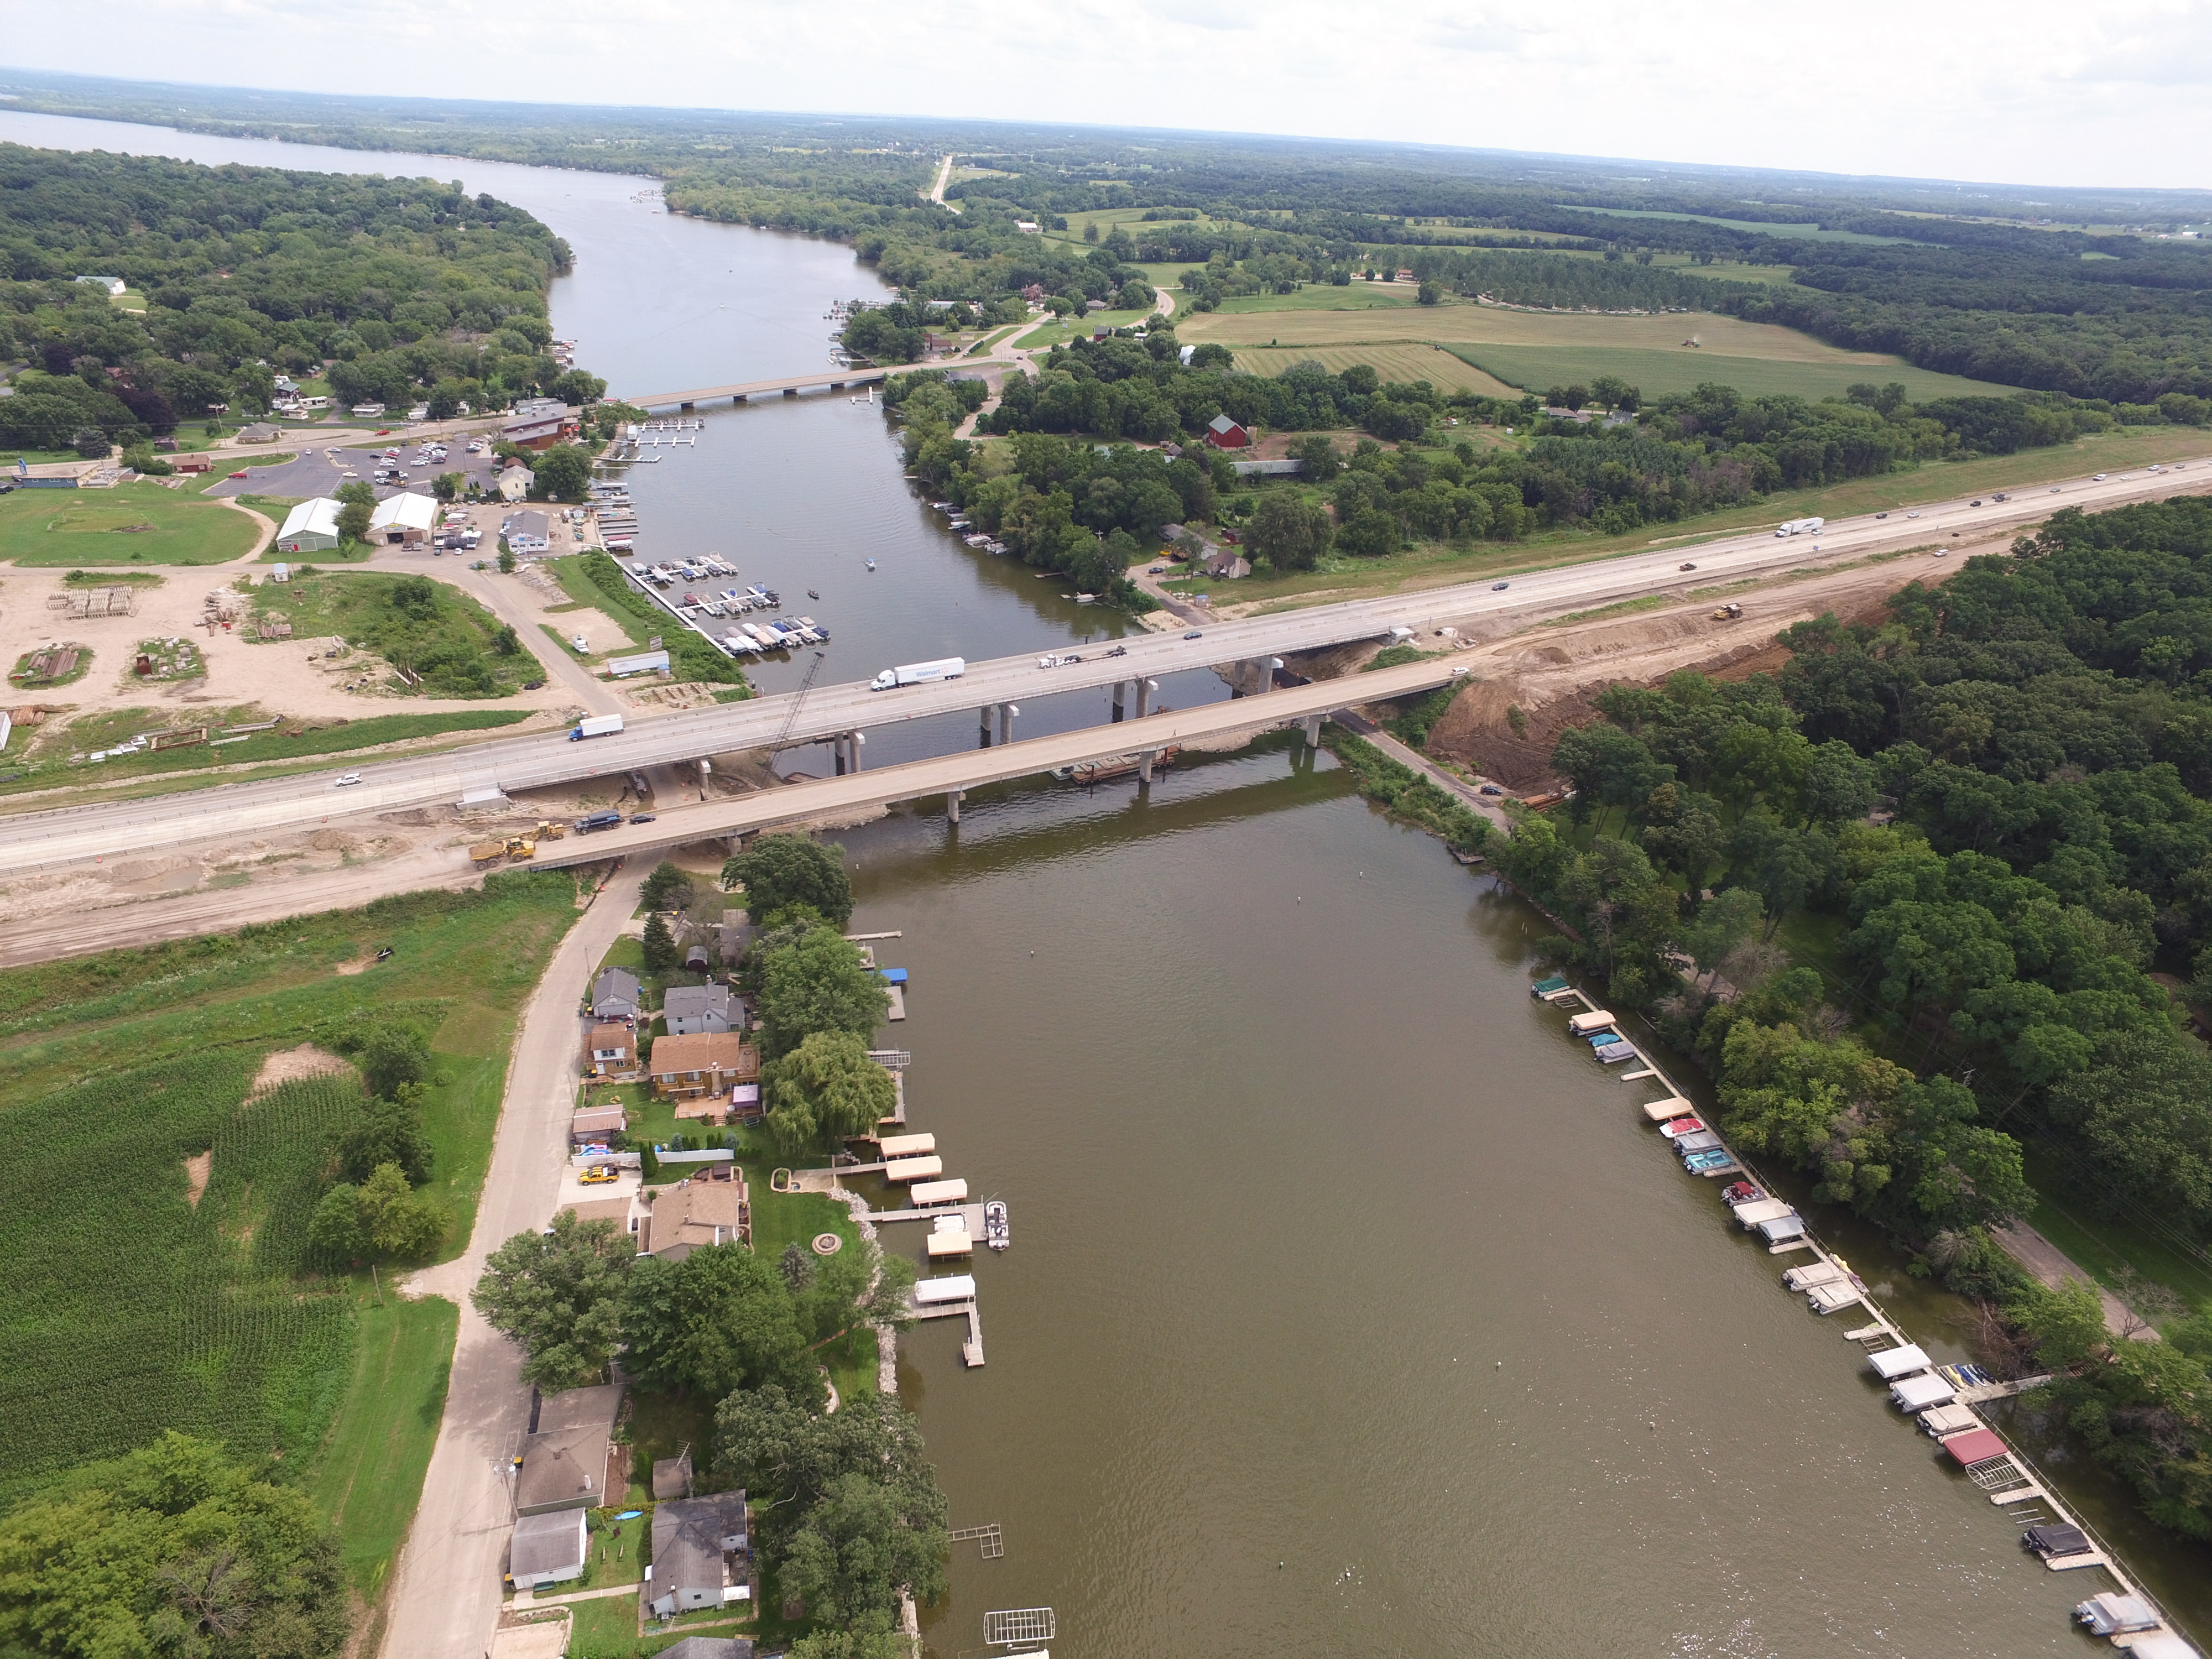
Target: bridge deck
column 742, row 389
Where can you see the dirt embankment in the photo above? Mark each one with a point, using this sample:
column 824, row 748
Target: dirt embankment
column 1527, row 688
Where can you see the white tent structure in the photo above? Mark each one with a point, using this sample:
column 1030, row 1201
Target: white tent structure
column 310, row 527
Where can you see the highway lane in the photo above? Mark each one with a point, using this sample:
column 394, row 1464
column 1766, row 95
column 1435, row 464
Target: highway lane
column 32, row 840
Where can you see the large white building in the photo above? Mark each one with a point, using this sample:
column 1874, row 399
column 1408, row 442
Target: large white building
column 310, row 527
column 406, row 518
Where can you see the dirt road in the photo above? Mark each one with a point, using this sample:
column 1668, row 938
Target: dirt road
column 446, row 1591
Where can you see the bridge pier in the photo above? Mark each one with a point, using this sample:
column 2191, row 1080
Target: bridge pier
column 853, row 742
column 1313, row 731
column 1118, row 686
column 739, row 399
column 952, row 798
column 1006, row 713
column 683, row 408
column 791, row 391
column 1144, row 689
column 983, row 737
column 1145, row 765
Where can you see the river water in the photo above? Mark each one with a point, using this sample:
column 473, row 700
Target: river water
column 1352, row 1308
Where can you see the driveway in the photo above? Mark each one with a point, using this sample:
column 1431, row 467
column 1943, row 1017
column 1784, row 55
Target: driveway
column 446, row 1593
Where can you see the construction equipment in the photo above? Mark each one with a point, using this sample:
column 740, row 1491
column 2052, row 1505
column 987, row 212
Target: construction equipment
column 799, row 701
column 485, row 854
column 548, row 830
column 521, row 846
column 1730, row 612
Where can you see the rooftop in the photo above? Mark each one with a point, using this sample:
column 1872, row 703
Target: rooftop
column 689, row 1536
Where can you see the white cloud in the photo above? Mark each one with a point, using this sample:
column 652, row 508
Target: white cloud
column 2031, row 91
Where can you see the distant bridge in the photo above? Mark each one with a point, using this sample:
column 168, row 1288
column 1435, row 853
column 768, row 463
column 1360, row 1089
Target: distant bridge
column 790, row 387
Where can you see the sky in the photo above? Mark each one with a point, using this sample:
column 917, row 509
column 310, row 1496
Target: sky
column 2026, row 92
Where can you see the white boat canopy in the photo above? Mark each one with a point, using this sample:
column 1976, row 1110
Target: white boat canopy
column 1893, row 1363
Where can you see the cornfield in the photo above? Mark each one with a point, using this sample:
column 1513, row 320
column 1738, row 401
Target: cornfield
column 125, row 1309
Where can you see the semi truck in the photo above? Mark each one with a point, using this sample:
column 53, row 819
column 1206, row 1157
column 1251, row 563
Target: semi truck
column 1800, row 527
column 918, row 673
column 605, row 818
column 596, row 725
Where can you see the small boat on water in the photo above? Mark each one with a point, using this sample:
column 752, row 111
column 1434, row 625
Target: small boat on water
column 871, row 564
column 1681, row 1125
column 1112, row 767
column 811, row 594
column 996, row 1233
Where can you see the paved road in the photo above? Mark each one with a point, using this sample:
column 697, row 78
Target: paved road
column 445, row 1594
column 34, row 840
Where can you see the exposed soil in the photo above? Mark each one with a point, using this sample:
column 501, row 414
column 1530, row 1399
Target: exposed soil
column 197, row 1168
column 289, row 1065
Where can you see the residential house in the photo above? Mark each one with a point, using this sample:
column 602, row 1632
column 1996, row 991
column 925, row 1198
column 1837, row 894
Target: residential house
column 403, row 520
column 548, row 1548
column 529, row 533
column 259, row 433
column 701, row 1063
column 564, row 1456
column 623, row 1212
column 611, row 1048
column 116, row 286
column 310, row 527
column 700, row 1550
column 591, row 1126
column 672, row 1476
column 527, row 409
column 1405, row 275
column 1282, row 469
column 514, row 479
column 694, row 1214
column 690, row 1008
column 617, row 994
column 1029, row 227
column 1222, row 433
column 369, row 412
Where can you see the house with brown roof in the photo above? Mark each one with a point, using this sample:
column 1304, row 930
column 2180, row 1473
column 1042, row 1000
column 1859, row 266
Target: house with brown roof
column 591, row 1126
column 611, row 1050
column 681, row 1218
column 701, row 1063
column 622, row 1212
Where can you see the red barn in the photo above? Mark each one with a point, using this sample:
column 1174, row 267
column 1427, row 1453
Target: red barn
column 1224, row 434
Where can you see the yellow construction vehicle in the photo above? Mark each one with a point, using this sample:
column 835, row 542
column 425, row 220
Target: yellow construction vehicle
column 548, row 830
column 521, row 846
column 488, row 852
column 1728, row 613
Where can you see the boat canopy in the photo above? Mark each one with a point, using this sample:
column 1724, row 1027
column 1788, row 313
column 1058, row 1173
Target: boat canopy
column 2055, row 1538
column 1975, row 1446
column 2157, row 1644
column 1596, row 1020
column 1829, row 1298
column 913, row 1169
column 2112, row 1613
column 907, row 1146
column 1697, row 1140
column 1783, row 1226
column 955, row 1243
column 1950, row 1419
column 1818, row 1272
column 1663, row 1111
column 1760, row 1209
column 1917, row 1394
column 939, row 1192
column 959, row 1287
column 1893, row 1363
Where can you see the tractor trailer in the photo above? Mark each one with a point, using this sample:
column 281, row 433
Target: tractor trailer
column 918, row 673
column 1800, row 527
column 596, row 725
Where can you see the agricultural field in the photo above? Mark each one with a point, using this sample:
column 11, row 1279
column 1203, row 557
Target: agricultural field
column 141, row 523
column 1434, row 364
column 157, row 1218
column 1323, row 296
column 450, row 644
column 1805, row 233
column 1536, row 350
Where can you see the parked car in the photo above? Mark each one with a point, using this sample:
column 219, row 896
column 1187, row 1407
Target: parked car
column 1491, row 789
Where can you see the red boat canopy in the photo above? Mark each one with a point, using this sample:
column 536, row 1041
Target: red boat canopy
column 1976, row 1446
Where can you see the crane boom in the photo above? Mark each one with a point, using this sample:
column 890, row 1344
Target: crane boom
column 799, row 701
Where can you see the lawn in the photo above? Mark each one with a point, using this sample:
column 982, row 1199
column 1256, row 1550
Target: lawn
column 449, row 644
column 128, row 1308
column 286, row 741
column 1321, row 296
column 1657, row 372
column 1062, row 330
column 1406, row 364
column 138, row 523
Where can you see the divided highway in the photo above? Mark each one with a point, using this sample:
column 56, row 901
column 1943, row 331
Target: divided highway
column 36, row 840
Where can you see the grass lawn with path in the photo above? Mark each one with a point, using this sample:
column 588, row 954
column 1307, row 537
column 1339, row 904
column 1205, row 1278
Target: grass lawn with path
column 140, row 523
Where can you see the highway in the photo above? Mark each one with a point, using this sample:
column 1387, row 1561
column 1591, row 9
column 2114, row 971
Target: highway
column 39, row 839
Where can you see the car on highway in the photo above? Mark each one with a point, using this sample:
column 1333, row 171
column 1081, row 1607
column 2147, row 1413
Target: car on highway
column 2054, row 490
column 1881, row 515
column 1977, row 501
column 1058, row 661
column 1689, row 567
column 1499, row 587
column 2096, row 477
column 345, row 779
column 641, row 818
column 1194, row 634
column 1119, row 650
column 1458, row 671
column 1913, row 515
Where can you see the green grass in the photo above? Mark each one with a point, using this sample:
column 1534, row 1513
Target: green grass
column 1324, row 296
column 1622, row 608
column 21, row 678
column 125, row 1309
column 1061, row 330
column 2107, row 1246
column 367, row 1474
column 1657, row 372
column 52, row 760
column 113, row 579
column 1805, row 233
column 445, row 637
column 131, row 524
column 276, row 506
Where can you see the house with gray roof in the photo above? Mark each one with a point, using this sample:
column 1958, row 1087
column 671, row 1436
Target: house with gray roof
column 690, row 1008
column 617, row 994
column 547, row 1549
column 701, row 1552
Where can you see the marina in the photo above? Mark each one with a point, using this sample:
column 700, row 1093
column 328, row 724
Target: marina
column 1941, row 1396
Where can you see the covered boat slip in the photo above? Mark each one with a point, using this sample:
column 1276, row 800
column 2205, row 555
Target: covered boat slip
column 1892, row 1363
column 913, row 1168
column 1665, row 1111
column 1917, row 1394
column 1976, row 1446
column 893, row 1147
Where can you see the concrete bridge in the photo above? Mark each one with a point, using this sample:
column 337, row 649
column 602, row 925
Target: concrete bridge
column 790, row 385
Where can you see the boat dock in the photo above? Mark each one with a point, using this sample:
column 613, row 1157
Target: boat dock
column 1940, row 1395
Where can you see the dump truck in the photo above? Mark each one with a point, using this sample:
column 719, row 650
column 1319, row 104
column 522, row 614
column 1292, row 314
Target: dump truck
column 521, row 846
column 485, row 854
column 1730, row 612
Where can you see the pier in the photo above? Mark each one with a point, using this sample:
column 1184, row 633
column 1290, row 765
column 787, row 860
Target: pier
column 1988, row 1459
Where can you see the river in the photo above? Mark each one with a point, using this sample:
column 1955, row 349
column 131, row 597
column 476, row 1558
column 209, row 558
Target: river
column 1352, row 1308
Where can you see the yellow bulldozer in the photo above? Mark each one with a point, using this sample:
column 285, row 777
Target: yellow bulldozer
column 548, row 830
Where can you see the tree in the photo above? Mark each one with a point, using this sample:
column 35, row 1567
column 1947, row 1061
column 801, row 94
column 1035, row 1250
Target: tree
column 563, row 473
column 558, row 1295
column 668, row 888
column 1289, row 532
column 391, row 1055
column 660, row 957
column 387, row 1132
column 335, row 1238
column 400, row 1225
column 173, row 1549
column 786, row 869
column 718, row 1321
column 1430, row 293
column 447, row 486
column 353, row 522
column 507, row 559
column 853, row 1551
column 1320, row 461
column 825, row 1090
column 1723, row 922
column 817, row 984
